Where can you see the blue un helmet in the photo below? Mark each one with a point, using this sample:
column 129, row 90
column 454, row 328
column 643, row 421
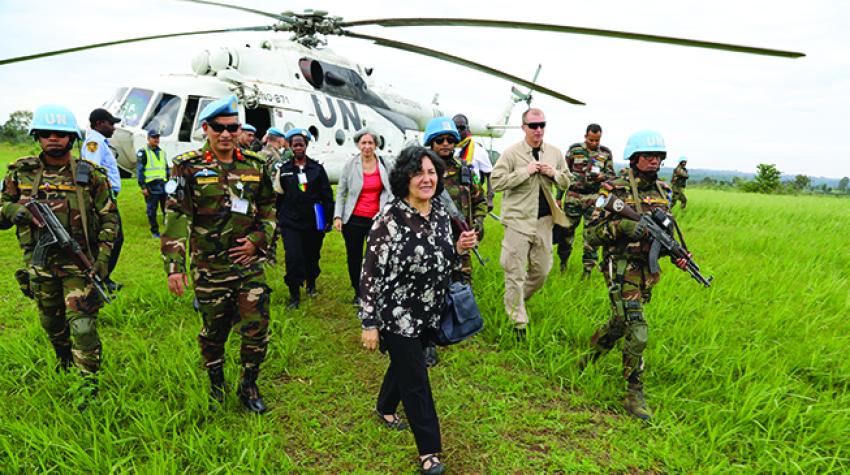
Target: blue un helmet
column 645, row 141
column 54, row 117
column 440, row 126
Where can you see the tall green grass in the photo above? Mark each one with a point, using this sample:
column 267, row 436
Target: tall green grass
column 748, row 376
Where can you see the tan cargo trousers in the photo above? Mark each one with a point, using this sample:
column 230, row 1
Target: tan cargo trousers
column 526, row 260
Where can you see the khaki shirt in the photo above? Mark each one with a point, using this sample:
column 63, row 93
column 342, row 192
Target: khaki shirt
column 521, row 190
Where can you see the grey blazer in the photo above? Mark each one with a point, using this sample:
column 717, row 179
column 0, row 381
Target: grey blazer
column 351, row 183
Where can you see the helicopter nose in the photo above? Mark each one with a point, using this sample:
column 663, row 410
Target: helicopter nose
column 121, row 144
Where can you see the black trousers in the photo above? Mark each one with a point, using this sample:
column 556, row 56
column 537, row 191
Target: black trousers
column 152, row 202
column 355, row 232
column 407, row 381
column 119, row 243
column 303, row 248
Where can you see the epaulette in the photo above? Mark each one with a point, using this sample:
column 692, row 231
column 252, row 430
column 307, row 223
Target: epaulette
column 186, row 156
column 25, row 163
column 253, row 156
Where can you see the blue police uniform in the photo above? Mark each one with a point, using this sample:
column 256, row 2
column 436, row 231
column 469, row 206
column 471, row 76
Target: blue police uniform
column 96, row 149
column 155, row 186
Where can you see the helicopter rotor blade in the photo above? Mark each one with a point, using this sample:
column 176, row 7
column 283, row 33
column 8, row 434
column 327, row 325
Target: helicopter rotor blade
column 30, row 57
column 463, row 62
column 392, row 22
column 276, row 16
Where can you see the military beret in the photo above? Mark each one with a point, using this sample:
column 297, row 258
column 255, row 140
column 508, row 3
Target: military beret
column 305, row 133
column 224, row 107
column 249, row 128
column 276, row 132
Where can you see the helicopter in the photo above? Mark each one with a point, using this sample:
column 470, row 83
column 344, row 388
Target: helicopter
column 298, row 82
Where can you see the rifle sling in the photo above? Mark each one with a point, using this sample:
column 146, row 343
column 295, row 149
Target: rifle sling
column 633, row 184
column 83, row 211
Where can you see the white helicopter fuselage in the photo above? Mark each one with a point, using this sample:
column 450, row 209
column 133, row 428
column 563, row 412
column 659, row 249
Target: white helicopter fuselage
column 280, row 84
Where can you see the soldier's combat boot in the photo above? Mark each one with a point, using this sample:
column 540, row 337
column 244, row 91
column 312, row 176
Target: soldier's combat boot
column 248, row 392
column 635, row 403
column 311, row 289
column 88, row 392
column 218, row 387
column 563, row 267
column 64, row 358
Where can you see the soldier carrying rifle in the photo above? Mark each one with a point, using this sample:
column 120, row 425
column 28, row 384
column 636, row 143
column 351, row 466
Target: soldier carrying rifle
column 72, row 199
column 633, row 225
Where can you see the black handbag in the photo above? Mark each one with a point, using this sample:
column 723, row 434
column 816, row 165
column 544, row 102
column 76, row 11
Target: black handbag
column 461, row 318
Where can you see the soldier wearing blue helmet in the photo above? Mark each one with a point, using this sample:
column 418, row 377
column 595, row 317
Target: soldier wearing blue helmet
column 221, row 209
column 461, row 183
column 78, row 190
column 625, row 261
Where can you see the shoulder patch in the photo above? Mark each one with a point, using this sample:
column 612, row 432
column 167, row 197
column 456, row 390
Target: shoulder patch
column 186, row 156
column 91, row 146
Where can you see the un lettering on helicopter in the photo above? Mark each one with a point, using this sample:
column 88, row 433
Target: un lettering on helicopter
column 279, row 85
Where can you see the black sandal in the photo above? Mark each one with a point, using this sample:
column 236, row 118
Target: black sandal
column 436, row 468
column 395, row 424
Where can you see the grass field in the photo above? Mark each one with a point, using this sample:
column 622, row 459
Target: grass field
column 749, row 376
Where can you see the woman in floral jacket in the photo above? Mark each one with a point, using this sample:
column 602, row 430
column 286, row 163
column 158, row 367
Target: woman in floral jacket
column 406, row 274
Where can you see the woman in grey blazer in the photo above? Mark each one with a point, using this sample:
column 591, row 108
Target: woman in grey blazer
column 362, row 191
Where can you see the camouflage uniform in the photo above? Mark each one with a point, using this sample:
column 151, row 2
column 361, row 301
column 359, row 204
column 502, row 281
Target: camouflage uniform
column 272, row 156
column 626, row 270
column 67, row 301
column 679, row 181
column 202, row 212
column 590, row 168
column 470, row 201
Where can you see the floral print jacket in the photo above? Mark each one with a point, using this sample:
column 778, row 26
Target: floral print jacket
column 407, row 269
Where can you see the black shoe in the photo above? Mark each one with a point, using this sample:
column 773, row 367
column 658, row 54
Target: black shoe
column 293, row 303
column 563, row 267
column 64, row 358
column 218, row 387
column 311, row 289
column 155, row 234
column 395, row 424
column 519, row 334
column 436, row 468
column 248, row 392
column 113, row 286
column 431, row 358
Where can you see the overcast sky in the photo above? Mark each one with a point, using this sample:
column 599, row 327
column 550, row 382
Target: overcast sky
column 721, row 110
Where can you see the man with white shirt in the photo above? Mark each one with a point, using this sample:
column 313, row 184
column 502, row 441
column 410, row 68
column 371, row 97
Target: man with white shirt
column 96, row 149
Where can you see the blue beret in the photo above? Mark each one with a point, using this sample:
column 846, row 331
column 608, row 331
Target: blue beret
column 276, row 132
column 226, row 106
column 305, row 133
column 249, row 128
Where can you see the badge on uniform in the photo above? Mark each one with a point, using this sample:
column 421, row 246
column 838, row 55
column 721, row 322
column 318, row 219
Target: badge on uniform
column 239, row 205
column 205, row 172
column 91, row 147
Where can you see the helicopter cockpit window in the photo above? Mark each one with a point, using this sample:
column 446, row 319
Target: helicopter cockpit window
column 197, row 131
column 164, row 116
column 115, row 101
column 133, row 108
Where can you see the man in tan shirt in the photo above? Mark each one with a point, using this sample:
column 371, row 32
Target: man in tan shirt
column 525, row 174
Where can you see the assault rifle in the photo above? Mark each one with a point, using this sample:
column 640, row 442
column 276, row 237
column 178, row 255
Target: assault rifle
column 459, row 221
column 660, row 227
column 50, row 233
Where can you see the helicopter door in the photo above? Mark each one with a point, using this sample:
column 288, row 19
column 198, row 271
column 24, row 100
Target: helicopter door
column 188, row 120
column 260, row 118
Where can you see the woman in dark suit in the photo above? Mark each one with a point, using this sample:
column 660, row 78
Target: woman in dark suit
column 407, row 270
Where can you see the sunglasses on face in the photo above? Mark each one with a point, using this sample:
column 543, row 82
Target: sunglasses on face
column 536, row 125
column 461, row 128
column 442, row 140
column 652, row 156
column 219, row 128
column 45, row 134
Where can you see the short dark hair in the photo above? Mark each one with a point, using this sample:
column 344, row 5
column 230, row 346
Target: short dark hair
column 409, row 162
column 593, row 128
